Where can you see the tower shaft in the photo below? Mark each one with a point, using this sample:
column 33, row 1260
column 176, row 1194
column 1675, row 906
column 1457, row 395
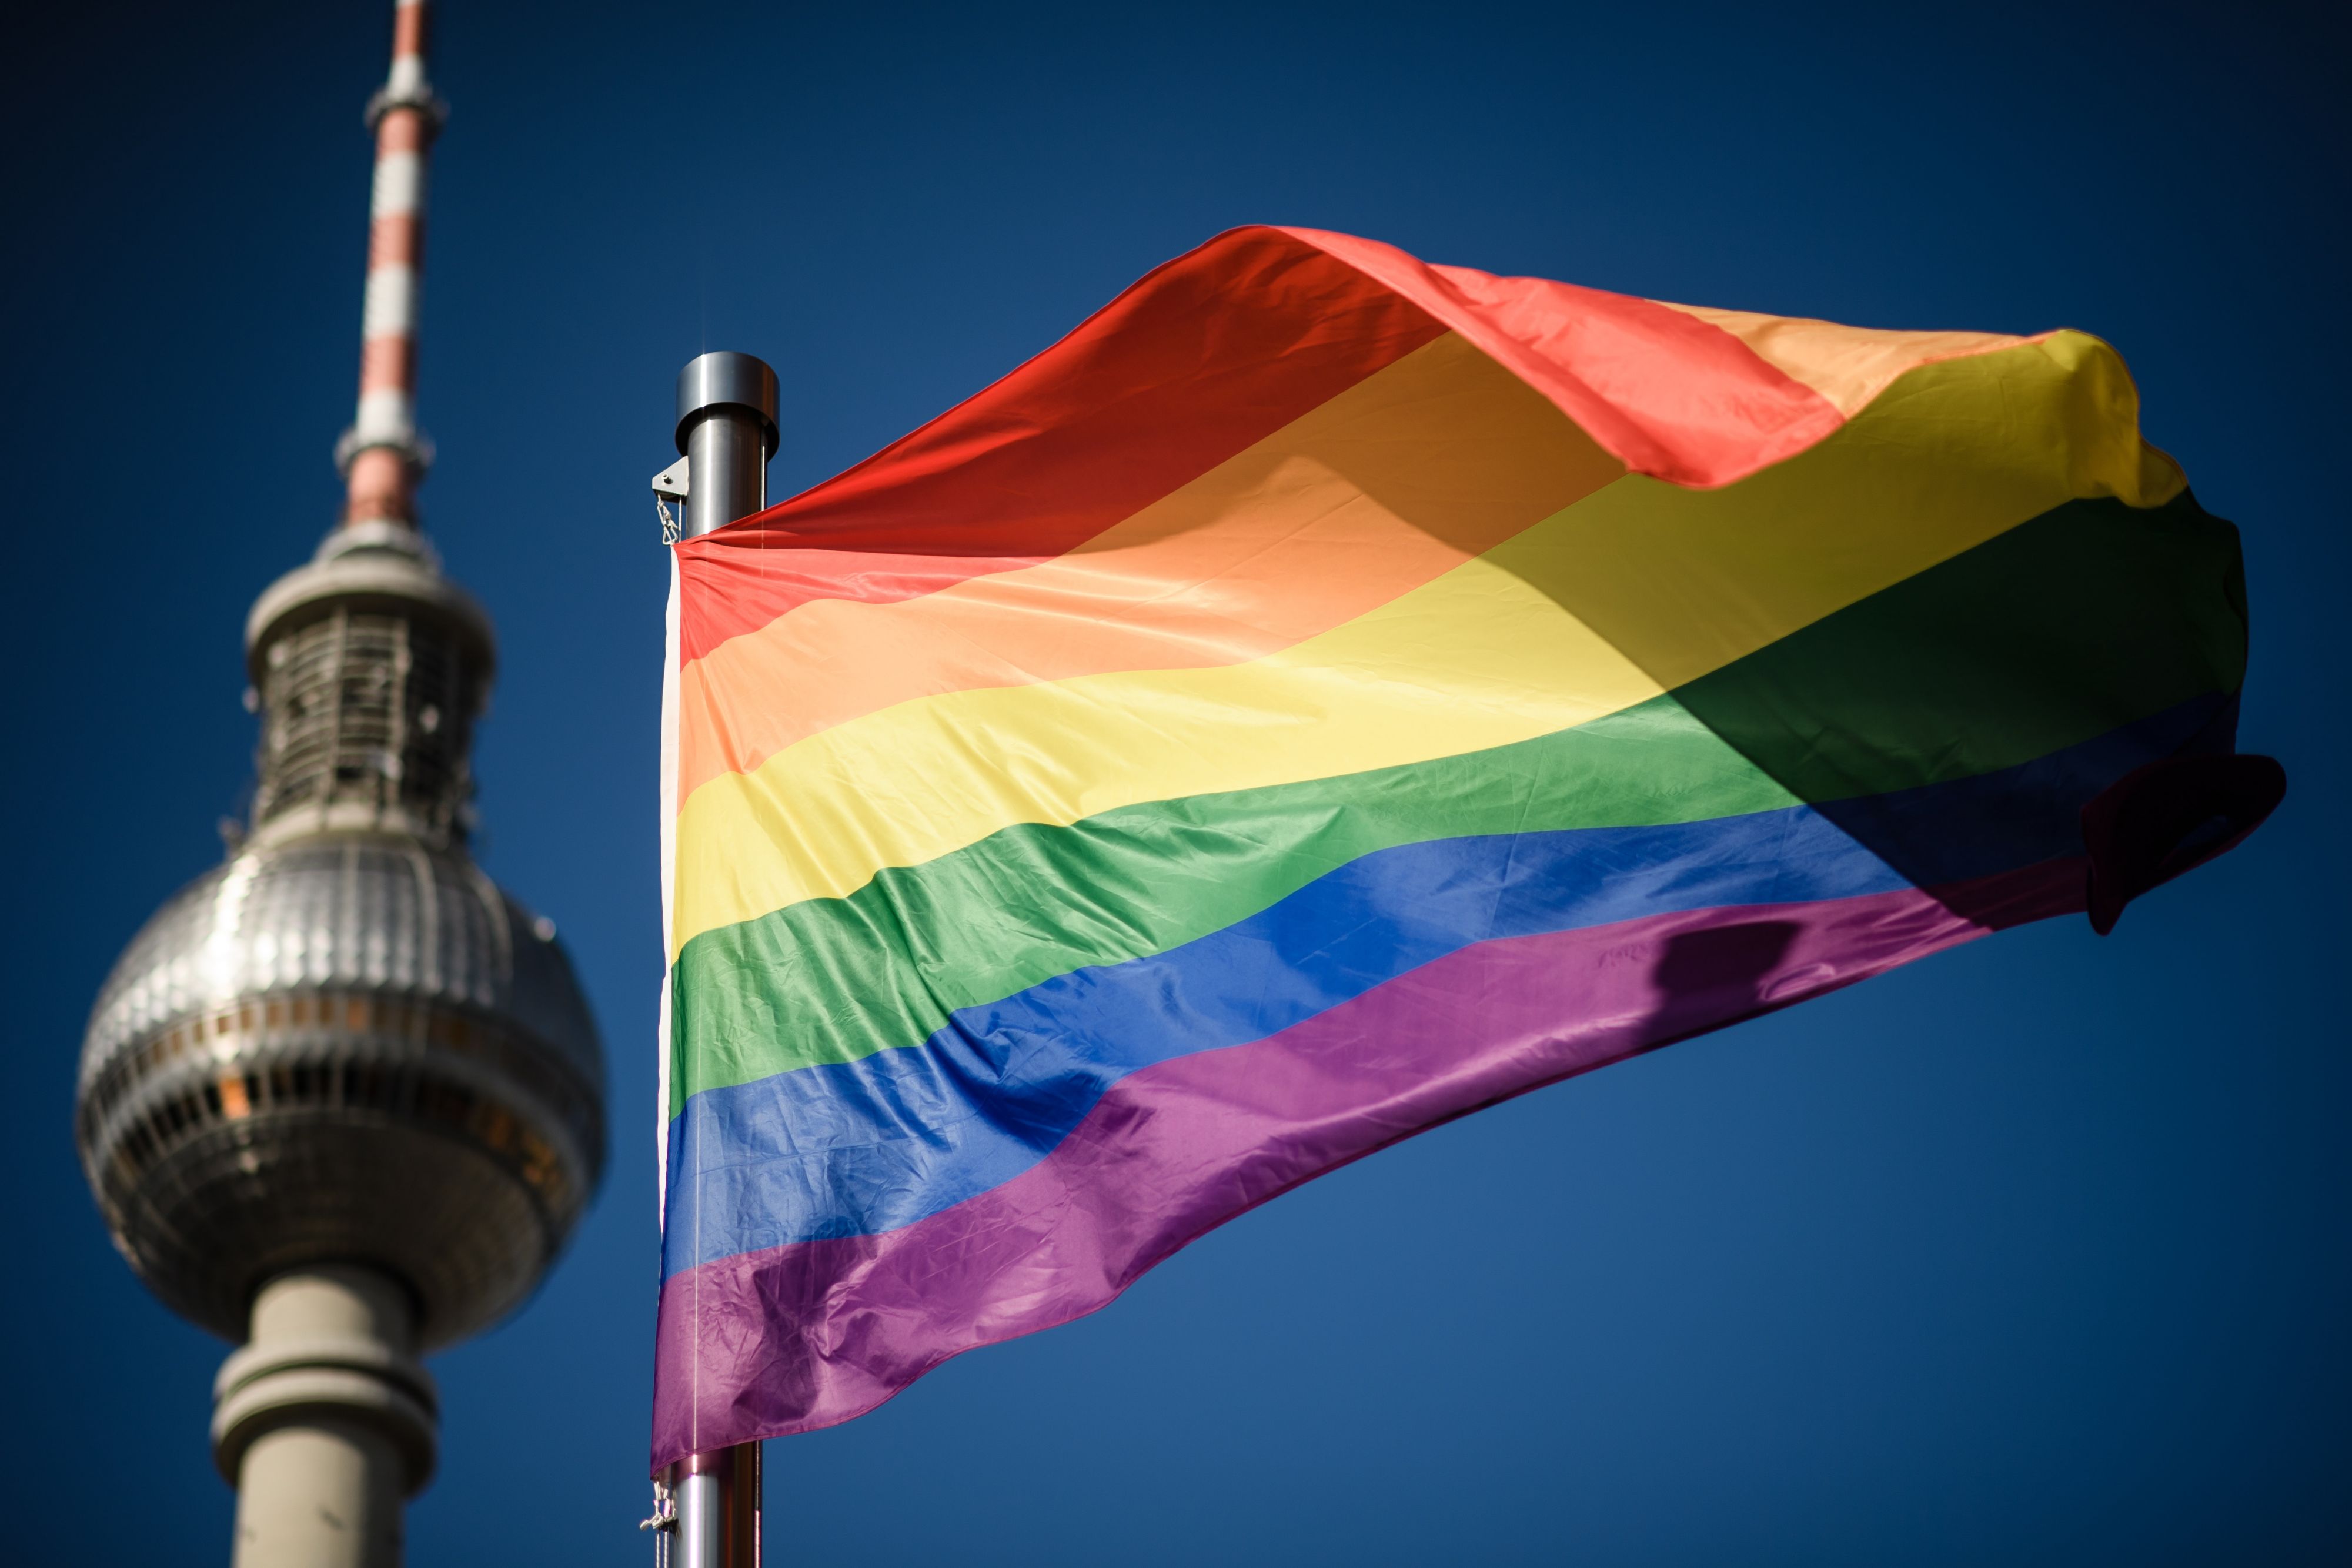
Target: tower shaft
column 324, row 1422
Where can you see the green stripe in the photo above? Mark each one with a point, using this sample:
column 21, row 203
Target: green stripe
column 1946, row 675
column 2086, row 618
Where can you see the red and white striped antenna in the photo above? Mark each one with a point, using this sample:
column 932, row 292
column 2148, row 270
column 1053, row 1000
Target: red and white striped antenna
column 383, row 454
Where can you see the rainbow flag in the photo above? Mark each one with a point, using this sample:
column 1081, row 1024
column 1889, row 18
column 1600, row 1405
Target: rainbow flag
column 1325, row 695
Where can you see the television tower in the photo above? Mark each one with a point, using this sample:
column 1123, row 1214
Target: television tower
column 341, row 1099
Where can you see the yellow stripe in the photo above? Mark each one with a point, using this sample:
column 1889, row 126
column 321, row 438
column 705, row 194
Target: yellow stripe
column 1275, row 545
column 1847, row 365
column 1630, row 592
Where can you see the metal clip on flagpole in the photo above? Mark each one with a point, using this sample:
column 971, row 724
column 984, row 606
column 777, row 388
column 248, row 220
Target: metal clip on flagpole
column 726, row 434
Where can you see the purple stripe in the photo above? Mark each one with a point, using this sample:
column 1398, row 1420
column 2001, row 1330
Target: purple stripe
column 797, row 1337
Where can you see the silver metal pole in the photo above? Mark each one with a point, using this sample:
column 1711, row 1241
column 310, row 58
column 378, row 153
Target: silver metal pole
column 727, row 428
column 701, row 1514
column 716, row 1523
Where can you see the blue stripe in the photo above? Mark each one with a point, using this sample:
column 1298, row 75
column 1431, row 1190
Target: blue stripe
column 859, row 1147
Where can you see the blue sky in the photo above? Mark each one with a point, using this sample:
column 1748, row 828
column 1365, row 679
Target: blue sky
column 2034, row 1252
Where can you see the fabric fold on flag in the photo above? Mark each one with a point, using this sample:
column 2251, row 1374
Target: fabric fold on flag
column 1327, row 694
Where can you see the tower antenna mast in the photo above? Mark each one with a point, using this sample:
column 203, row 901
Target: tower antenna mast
column 383, row 455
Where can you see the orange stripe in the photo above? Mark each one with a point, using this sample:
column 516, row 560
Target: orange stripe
column 1396, row 481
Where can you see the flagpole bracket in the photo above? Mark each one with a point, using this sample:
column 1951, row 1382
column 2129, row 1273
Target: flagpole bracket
column 671, row 484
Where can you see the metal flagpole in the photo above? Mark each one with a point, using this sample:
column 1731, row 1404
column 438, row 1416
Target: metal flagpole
column 727, row 431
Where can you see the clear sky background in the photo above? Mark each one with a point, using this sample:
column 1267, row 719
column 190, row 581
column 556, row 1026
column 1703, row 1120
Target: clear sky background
column 2035, row 1253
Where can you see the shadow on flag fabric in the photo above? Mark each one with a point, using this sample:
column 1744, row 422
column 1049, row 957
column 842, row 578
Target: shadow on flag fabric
column 1325, row 695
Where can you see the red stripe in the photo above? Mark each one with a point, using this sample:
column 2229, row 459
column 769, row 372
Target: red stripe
column 408, row 28
column 387, row 363
column 1216, row 350
column 395, row 239
column 1208, row 354
column 401, row 131
column 1670, row 395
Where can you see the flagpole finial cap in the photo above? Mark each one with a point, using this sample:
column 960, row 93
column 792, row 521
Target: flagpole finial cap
column 724, row 379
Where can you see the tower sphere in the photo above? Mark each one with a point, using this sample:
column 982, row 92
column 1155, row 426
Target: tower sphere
column 346, row 1045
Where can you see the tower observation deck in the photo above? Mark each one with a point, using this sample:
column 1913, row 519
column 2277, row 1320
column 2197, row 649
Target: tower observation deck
column 342, row 1101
